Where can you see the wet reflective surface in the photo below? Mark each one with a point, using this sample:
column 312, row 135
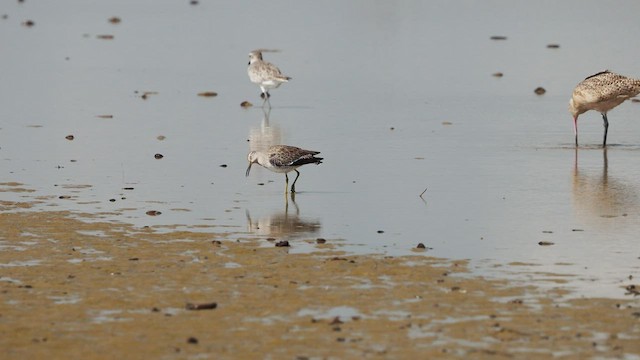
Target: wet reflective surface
column 398, row 99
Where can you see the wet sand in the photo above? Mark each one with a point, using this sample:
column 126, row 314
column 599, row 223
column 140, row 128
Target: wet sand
column 74, row 286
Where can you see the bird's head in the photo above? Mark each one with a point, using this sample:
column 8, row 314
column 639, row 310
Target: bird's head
column 573, row 109
column 253, row 158
column 254, row 56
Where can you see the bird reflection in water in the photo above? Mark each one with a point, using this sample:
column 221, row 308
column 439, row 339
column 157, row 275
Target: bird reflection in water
column 599, row 195
column 265, row 135
column 283, row 224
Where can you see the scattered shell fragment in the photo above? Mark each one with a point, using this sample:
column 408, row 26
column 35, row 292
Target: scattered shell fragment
column 539, row 90
column 145, row 94
column 246, row 104
column 206, row 306
column 208, row 94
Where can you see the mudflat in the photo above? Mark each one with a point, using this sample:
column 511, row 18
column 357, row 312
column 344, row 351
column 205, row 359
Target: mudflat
column 77, row 286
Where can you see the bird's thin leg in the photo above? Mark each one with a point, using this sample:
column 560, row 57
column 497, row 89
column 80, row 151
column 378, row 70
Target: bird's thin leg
column 606, row 128
column 267, row 99
column 286, row 183
column 293, row 187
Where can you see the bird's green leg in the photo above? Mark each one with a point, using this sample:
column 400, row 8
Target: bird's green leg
column 286, row 183
column 293, row 187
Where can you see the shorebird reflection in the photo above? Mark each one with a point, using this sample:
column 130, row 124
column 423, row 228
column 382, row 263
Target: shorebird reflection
column 283, row 224
column 599, row 195
column 265, row 135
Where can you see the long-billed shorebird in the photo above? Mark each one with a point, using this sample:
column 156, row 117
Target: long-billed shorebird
column 601, row 92
column 283, row 159
column 264, row 74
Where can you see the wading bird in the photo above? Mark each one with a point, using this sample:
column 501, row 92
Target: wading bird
column 601, row 92
column 283, row 159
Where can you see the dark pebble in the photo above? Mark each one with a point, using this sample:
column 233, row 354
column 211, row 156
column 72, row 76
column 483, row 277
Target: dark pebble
column 69, row 137
column 539, row 90
column 112, row 200
column 246, row 104
column 498, row 37
column 127, row 188
column 321, row 241
column 283, row 243
column 223, row 165
column 153, row 213
column 380, row 231
column 208, row 94
column 115, row 20
column 545, row 243
column 216, row 242
column 155, row 309
column 28, row 23
column 421, row 246
column 158, row 156
column 553, row 46
column 134, row 259
column 207, row 306
column 498, row 74
column 192, row 340
column 271, row 239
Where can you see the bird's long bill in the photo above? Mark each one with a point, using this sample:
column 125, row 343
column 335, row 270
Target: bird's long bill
column 248, row 169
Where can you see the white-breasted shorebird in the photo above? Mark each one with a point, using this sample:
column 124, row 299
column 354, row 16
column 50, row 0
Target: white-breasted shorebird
column 284, row 159
column 601, row 92
column 264, row 74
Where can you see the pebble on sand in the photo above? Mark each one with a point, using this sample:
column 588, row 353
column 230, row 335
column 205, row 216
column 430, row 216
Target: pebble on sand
column 158, row 156
column 69, row 137
column 115, row 20
column 497, row 74
column 498, row 37
column 208, row 94
column 246, row 104
column 539, row 90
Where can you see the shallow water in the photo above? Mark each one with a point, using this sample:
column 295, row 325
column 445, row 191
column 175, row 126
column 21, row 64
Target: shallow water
column 398, row 98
